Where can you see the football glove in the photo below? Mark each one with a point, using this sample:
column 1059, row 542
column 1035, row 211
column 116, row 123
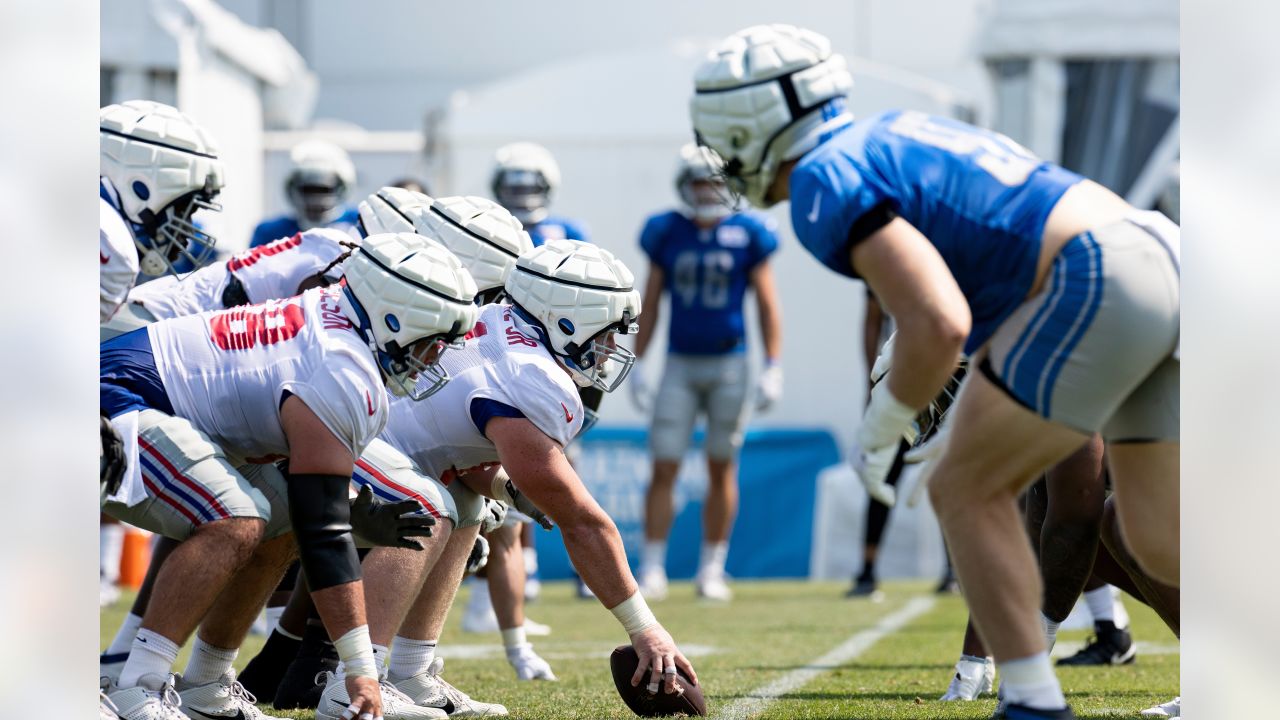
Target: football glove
column 479, row 556
column 388, row 524
column 769, row 386
column 112, row 463
column 495, row 513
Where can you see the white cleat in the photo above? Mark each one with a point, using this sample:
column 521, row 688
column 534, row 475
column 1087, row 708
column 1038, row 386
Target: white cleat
column 154, row 698
column 429, row 690
column 479, row 619
column 972, row 678
column 528, row 664
column 1171, row 709
column 222, row 698
column 714, row 587
column 106, row 708
column 533, row 627
column 395, row 705
column 653, row 583
column 108, row 594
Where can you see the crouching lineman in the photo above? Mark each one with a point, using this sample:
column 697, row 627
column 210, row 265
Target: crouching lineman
column 1065, row 296
column 199, row 398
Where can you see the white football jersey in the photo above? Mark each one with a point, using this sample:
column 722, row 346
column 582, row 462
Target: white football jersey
column 117, row 260
column 499, row 363
column 267, row 272
column 227, row 372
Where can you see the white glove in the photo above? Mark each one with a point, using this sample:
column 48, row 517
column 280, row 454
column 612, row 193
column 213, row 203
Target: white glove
column 877, row 440
column 640, row 391
column 927, row 455
column 884, row 360
column 495, row 514
column 528, row 664
column 769, row 386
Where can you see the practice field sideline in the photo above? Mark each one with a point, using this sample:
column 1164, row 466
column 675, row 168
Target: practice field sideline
column 828, row 657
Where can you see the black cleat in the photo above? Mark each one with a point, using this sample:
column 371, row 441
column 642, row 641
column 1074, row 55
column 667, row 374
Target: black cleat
column 863, row 586
column 262, row 675
column 949, row 585
column 1109, row 646
column 298, row 689
column 1022, row 712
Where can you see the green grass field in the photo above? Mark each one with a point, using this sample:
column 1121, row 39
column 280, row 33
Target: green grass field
column 771, row 629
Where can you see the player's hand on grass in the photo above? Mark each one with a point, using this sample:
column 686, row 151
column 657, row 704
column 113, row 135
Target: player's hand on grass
column 366, row 699
column 641, row 393
column 658, row 652
column 388, row 524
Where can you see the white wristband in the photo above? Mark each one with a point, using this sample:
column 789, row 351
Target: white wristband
column 634, row 614
column 498, row 488
column 886, row 419
column 356, row 652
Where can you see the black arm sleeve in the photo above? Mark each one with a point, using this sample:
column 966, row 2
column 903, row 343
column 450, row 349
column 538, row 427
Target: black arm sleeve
column 321, row 517
column 866, row 224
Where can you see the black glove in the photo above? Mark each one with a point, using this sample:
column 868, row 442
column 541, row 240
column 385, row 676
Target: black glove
column 387, row 524
column 526, row 506
column 111, row 465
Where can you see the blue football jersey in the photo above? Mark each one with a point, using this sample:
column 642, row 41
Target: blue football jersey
column 706, row 272
column 557, row 228
column 287, row 226
column 979, row 197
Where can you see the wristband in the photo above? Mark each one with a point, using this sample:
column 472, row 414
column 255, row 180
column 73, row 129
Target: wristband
column 886, row 419
column 355, row 650
column 498, row 488
column 634, row 614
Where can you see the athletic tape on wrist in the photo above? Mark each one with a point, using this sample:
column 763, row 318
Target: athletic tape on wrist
column 356, row 652
column 885, row 420
column 634, row 614
column 498, row 488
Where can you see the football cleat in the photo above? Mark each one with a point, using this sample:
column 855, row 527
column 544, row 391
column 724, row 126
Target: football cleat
column 533, row 627
column 713, row 587
column 335, row 700
column 1171, row 709
column 429, row 690
column 528, row 664
column 1109, row 645
column 297, row 687
column 1022, row 712
column 972, row 678
column 653, row 583
column 106, row 708
column 866, row 587
column 153, row 698
column 480, row 618
column 222, row 698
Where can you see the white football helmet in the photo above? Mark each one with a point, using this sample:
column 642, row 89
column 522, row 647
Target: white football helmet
column 577, row 296
column 484, row 236
column 411, row 299
column 163, row 167
column 708, row 201
column 387, row 211
column 524, row 177
column 768, row 94
column 318, row 182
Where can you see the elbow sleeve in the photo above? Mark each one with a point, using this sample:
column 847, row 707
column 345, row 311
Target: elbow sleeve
column 321, row 516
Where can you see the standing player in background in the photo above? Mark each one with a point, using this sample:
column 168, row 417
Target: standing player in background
column 1065, row 297
column 706, row 257
column 320, row 177
column 525, row 176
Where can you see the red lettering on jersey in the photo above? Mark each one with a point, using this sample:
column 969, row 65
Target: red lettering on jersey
column 453, row 473
column 245, row 327
column 253, row 255
column 480, row 330
column 331, row 314
column 515, row 337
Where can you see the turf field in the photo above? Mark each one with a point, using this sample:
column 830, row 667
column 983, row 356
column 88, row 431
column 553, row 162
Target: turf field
column 883, row 660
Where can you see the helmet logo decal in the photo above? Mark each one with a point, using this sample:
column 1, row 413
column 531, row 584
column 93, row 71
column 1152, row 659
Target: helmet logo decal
column 738, row 137
column 141, row 190
column 392, row 322
column 566, row 326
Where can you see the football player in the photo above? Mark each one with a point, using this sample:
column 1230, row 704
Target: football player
column 1065, row 296
column 705, row 257
column 205, row 402
column 158, row 167
column 321, row 175
column 525, row 176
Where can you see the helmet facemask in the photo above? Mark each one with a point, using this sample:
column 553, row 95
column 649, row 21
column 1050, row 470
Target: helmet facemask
column 526, row 194
column 172, row 234
column 600, row 362
column 415, row 372
column 316, row 196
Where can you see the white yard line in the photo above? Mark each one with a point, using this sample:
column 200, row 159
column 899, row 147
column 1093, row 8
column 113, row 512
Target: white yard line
column 762, row 697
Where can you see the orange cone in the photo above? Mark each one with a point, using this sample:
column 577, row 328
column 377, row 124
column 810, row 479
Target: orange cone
column 135, row 557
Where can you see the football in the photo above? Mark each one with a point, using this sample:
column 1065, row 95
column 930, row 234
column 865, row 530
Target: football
column 688, row 701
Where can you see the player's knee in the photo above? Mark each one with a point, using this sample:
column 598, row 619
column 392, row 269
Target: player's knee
column 237, row 537
column 1155, row 552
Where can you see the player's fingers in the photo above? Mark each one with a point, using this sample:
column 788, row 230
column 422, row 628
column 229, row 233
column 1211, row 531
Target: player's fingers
column 686, row 667
column 641, row 668
column 655, row 672
column 352, row 709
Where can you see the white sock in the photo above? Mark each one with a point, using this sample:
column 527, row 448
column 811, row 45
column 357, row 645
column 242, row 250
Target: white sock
column 530, row 561
column 1101, row 603
column 1050, row 629
column 150, row 654
column 1121, row 615
column 125, row 635
column 512, row 637
column 273, row 617
column 411, row 657
column 480, row 600
column 712, row 558
column 207, row 663
column 110, row 547
column 1030, row 681
column 654, row 555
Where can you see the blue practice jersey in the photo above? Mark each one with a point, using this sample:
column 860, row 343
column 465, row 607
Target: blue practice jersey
column 287, row 226
column 980, row 198
column 706, row 272
column 557, row 228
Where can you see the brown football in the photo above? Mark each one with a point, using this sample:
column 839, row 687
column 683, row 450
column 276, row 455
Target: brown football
column 688, row 701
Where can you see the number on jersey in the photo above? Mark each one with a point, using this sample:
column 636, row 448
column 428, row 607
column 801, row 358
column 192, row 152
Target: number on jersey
column 703, row 277
column 245, row 327
column 1005, row 160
